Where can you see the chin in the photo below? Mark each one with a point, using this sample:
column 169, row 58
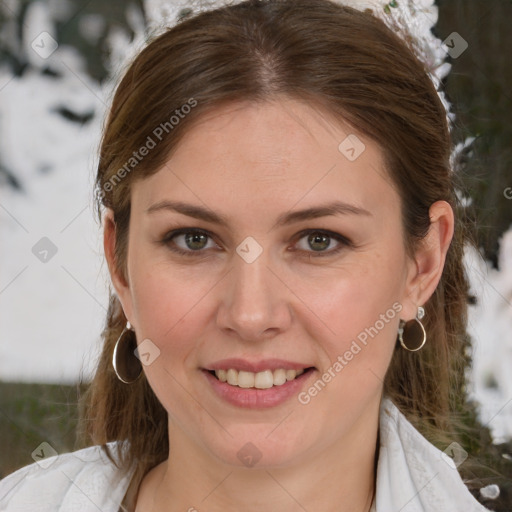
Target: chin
column 259, row 450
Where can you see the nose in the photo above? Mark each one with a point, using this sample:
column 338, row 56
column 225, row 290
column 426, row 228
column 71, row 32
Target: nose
column 255, row 301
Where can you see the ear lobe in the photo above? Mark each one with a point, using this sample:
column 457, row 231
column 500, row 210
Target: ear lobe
column 430, row 257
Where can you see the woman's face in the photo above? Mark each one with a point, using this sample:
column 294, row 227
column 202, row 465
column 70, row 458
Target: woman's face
column 269, row 287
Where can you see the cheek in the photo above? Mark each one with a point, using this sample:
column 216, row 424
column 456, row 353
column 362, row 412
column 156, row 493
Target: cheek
column 359, row 311
column 170, row 311
column 170, row 304
column 357, row 338
column 162, row 292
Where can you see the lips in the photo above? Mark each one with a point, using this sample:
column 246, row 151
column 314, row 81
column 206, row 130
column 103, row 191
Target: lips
column 260, row 393
column 263, row 374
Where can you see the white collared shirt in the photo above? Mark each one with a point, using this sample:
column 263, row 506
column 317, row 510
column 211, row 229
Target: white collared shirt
column 412, row 476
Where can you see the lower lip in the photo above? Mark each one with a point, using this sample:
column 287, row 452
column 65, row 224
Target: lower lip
column 252, row 398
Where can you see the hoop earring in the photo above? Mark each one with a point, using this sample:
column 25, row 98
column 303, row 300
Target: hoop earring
column 127, row 366
column 415, row 330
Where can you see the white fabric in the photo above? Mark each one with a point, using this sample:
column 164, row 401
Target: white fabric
column 412, row 476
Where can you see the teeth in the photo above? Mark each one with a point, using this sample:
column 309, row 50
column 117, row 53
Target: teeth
column 279, row 377
column 245, row 379
column 264, row 380
column 232, row 377
column 290, row 374
column 261, row 380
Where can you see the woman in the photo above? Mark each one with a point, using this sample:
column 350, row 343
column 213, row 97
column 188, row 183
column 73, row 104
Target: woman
column 281, row 234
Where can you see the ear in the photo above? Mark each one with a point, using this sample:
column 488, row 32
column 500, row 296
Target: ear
column 119, row 281
column 427, row 267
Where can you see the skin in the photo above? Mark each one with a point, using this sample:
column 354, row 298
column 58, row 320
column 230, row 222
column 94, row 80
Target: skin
column 252, row 163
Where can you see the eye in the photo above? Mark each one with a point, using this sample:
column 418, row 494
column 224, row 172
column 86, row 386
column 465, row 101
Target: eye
column 194, row 241
column 320, row 240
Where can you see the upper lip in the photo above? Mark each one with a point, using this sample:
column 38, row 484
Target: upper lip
column 256, row 366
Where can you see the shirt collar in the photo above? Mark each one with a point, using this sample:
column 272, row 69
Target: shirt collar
column 412, row 474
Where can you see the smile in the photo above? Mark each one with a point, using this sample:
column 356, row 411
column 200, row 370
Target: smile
column 257, row 390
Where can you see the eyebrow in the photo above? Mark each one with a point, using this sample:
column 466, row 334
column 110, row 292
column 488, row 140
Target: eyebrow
column 314, row 212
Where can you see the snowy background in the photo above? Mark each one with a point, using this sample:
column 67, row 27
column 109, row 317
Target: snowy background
column 53, row 281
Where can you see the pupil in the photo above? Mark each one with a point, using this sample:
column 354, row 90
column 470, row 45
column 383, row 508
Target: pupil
column 318, row 239
column 193, row 238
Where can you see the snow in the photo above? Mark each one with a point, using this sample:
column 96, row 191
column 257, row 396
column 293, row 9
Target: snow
column 52, row 312
column 490, row 326
column 490, row 491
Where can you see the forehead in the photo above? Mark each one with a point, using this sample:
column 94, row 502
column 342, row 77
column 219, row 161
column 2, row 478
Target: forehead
column 266, row 155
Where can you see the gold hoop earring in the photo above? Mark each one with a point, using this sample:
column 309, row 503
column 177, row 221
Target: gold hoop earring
column 415, row 331
column 127, row 366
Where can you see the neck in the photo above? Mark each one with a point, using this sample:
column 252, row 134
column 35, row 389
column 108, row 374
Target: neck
column 339, row 478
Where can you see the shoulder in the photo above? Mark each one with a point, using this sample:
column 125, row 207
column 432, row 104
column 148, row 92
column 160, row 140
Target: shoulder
column 415, row 476
column 82, row 480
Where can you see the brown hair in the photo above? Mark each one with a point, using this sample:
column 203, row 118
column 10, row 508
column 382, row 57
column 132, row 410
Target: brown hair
column 347, row 63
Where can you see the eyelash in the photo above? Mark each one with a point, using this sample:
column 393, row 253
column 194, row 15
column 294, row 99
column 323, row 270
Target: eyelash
column 343, row 241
